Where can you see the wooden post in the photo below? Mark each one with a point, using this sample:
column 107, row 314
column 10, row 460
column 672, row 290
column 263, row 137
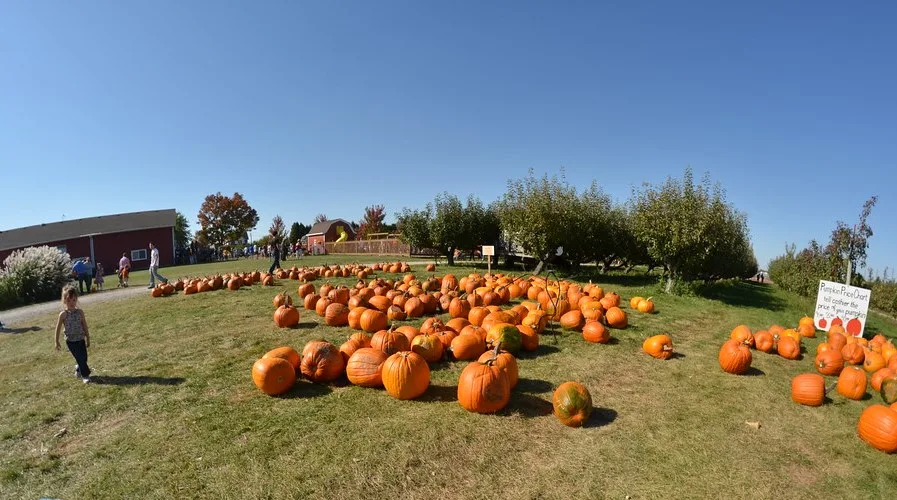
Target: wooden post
column 489, row 264
column 848, row 272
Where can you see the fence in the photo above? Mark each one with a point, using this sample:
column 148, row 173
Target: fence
column 391, row 246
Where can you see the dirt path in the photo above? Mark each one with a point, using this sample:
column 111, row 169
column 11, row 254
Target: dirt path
column 14, row 319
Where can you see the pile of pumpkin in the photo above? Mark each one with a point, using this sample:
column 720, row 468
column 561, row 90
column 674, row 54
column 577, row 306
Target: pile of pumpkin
column 854, row 360
column 306, row 274
column 233, row 281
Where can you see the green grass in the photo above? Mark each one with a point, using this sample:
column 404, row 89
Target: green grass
column 174, row 413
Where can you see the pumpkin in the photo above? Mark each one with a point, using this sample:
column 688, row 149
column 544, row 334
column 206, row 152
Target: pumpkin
column 836, row 340
column 572, row 404
column 888, row 390
column 788, row 348
column 409, row 332
column 381, row 303
column 763, row 341
column 484, row 387
column 878, row 427
column 808, row 331
column 273, row 375
column 743, row 334
column 467, row 347
column 234, row 284
column 529, row 338
column 595, row 332
column 390, row 341
column 879, row 377
column 287, row 353
column 337, row 314
column 286, row 316
column 322, row 305
column 282, row 299
column 348, row 348
column 853, row 354
column 428, row 346
column 633, row 302
column 616, row 318
column 874, row 361
column 363, row 367
column 646, row 306
column 852, row 382
column 735, row 357
column 373, row 320
column 505, row 361
column 321, row 361
column 572, row 320
column 362, row 338
column 457, row 324
column 354, row 317
column 405, row 375
column 310, row 302
column 808, row 321
column 808, row 389
column 305, row 289
column 829, row 362
column 506, row 334
column 659, row 346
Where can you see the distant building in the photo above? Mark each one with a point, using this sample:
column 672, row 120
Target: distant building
column 327, row 231
column 102, row 238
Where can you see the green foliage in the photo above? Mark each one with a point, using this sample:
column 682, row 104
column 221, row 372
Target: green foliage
column 800, row 272
column 226, row 219
column 446, row 225
column 850, row 243
column 414, row 227
column 33, row 274
column 182, row 234
column 297, row 231
column 692, row 230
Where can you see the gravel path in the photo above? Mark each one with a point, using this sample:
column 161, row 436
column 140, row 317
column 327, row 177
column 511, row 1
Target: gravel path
column 14, row 319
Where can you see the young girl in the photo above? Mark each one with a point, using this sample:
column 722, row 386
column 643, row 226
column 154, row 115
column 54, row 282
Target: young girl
column 77, row 337
column 99, row 278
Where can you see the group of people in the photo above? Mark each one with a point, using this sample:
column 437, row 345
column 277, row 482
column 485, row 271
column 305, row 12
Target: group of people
column 88, row 275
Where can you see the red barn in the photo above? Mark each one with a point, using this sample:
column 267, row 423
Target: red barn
column 102, row 238
column 327, row 231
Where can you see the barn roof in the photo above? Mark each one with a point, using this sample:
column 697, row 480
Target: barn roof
column 75, row 228
column 323, row 226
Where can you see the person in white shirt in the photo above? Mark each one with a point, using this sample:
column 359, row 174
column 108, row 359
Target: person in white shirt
column 154, row 267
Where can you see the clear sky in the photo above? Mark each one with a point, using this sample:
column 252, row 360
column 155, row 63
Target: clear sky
column 330, row 106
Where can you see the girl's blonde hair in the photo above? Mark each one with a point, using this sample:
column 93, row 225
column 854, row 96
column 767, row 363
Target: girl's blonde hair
column 69, row 291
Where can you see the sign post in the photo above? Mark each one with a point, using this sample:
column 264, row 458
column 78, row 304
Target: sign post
column 489, row 251
column 840, row 304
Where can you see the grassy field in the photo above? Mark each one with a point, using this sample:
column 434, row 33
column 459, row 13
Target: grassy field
column 173, row 412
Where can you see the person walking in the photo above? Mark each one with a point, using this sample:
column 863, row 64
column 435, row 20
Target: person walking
column 275, row 258
column 77, row 335
column 124, row 270
column 98, row 278
column 154, row 267
column 81, row 271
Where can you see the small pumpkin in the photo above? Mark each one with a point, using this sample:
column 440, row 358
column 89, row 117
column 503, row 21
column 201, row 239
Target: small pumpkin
column 507, row 335
column 572, row 320
column 659, row 346
column 888, row 390
column 853, row 354
column 788, row 348
column 572, row 404
column 616, row 318
column 505, row 361
column 287, row 353
column 390, row 341
column 373, row 320
column 467, row 347
column 428, row 346
column 763, row 341
column 646, row 306
column 735, row 357
column 286, row 316
column 879, row 377
column 337, row 314
column 743, row 334
column 282, row 299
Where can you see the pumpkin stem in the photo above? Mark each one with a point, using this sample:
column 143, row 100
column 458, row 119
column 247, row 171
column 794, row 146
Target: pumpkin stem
column 831, row 387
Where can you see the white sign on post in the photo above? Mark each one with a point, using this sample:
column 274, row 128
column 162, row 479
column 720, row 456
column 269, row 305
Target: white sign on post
column 840, row 304
column 488, row 250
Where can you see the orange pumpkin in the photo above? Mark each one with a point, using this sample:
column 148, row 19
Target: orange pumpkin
column 595, row 332
column 743, row 334
column 829, row 362
column 763, row 341
column 852, row 382
column 428, row 346
column 735, row 357
column 878, row 427
column 286, row 316
column 808, row 389
column 405, row 375
column 484, row 387
column 616, row 318
column 364, row 366
column 287, row 353
column 273, row 375
column 505, row 361
column 390, row 341
column 321, row 362
column 658, row 346
column 788, row 348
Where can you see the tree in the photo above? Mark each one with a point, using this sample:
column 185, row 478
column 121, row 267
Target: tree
column 850, row 244
column 226, row 219
column 371, row 222
column 182, row 234
column 277, row 230
column 414, row 227
column 691, row 230
column 297, row 231
column 320, row 218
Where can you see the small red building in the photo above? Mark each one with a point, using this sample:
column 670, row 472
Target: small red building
column 328, row 231
column 104, row 239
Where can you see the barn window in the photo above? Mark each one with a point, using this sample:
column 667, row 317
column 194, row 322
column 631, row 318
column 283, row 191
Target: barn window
column 138, row 254
column 62, row 248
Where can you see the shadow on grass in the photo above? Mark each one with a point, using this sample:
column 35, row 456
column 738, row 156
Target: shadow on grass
column 135, row 380
column 439, row 393
column 532, row 385
column 743, row 294
column 17, row 331
column 304, row 389
column 528, row 405
column 753, row 372
column 631, row 280
column 305, row 326
column 600, row 417
column 543, row 350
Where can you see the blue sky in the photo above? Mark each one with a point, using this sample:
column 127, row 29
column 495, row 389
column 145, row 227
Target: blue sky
column 310, row 107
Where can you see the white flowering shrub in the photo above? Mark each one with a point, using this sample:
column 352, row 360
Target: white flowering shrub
column 33, row 274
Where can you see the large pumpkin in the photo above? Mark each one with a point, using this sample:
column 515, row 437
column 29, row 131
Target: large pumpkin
column 505, row 361
column 595, row 332
column 572, row 404
column 406, row 375
column 373, row 320
column 808, row 389
column 321, row 362
column 852, row 382
column 273, row 375
column 428, row 346
column 364, row 367
column 658, row 346
column 286, row 316
column 467, row 347
column 287, row 353
column 390, row 341
column 734, row 357
column 484, row 387
column 507, row 335
column 336, row 314
column 878, row 427
column 616, row 318
column 742, row 333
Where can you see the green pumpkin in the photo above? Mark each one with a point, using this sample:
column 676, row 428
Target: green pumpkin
column 889, row 390
column 572, row 404
column 508, row 335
